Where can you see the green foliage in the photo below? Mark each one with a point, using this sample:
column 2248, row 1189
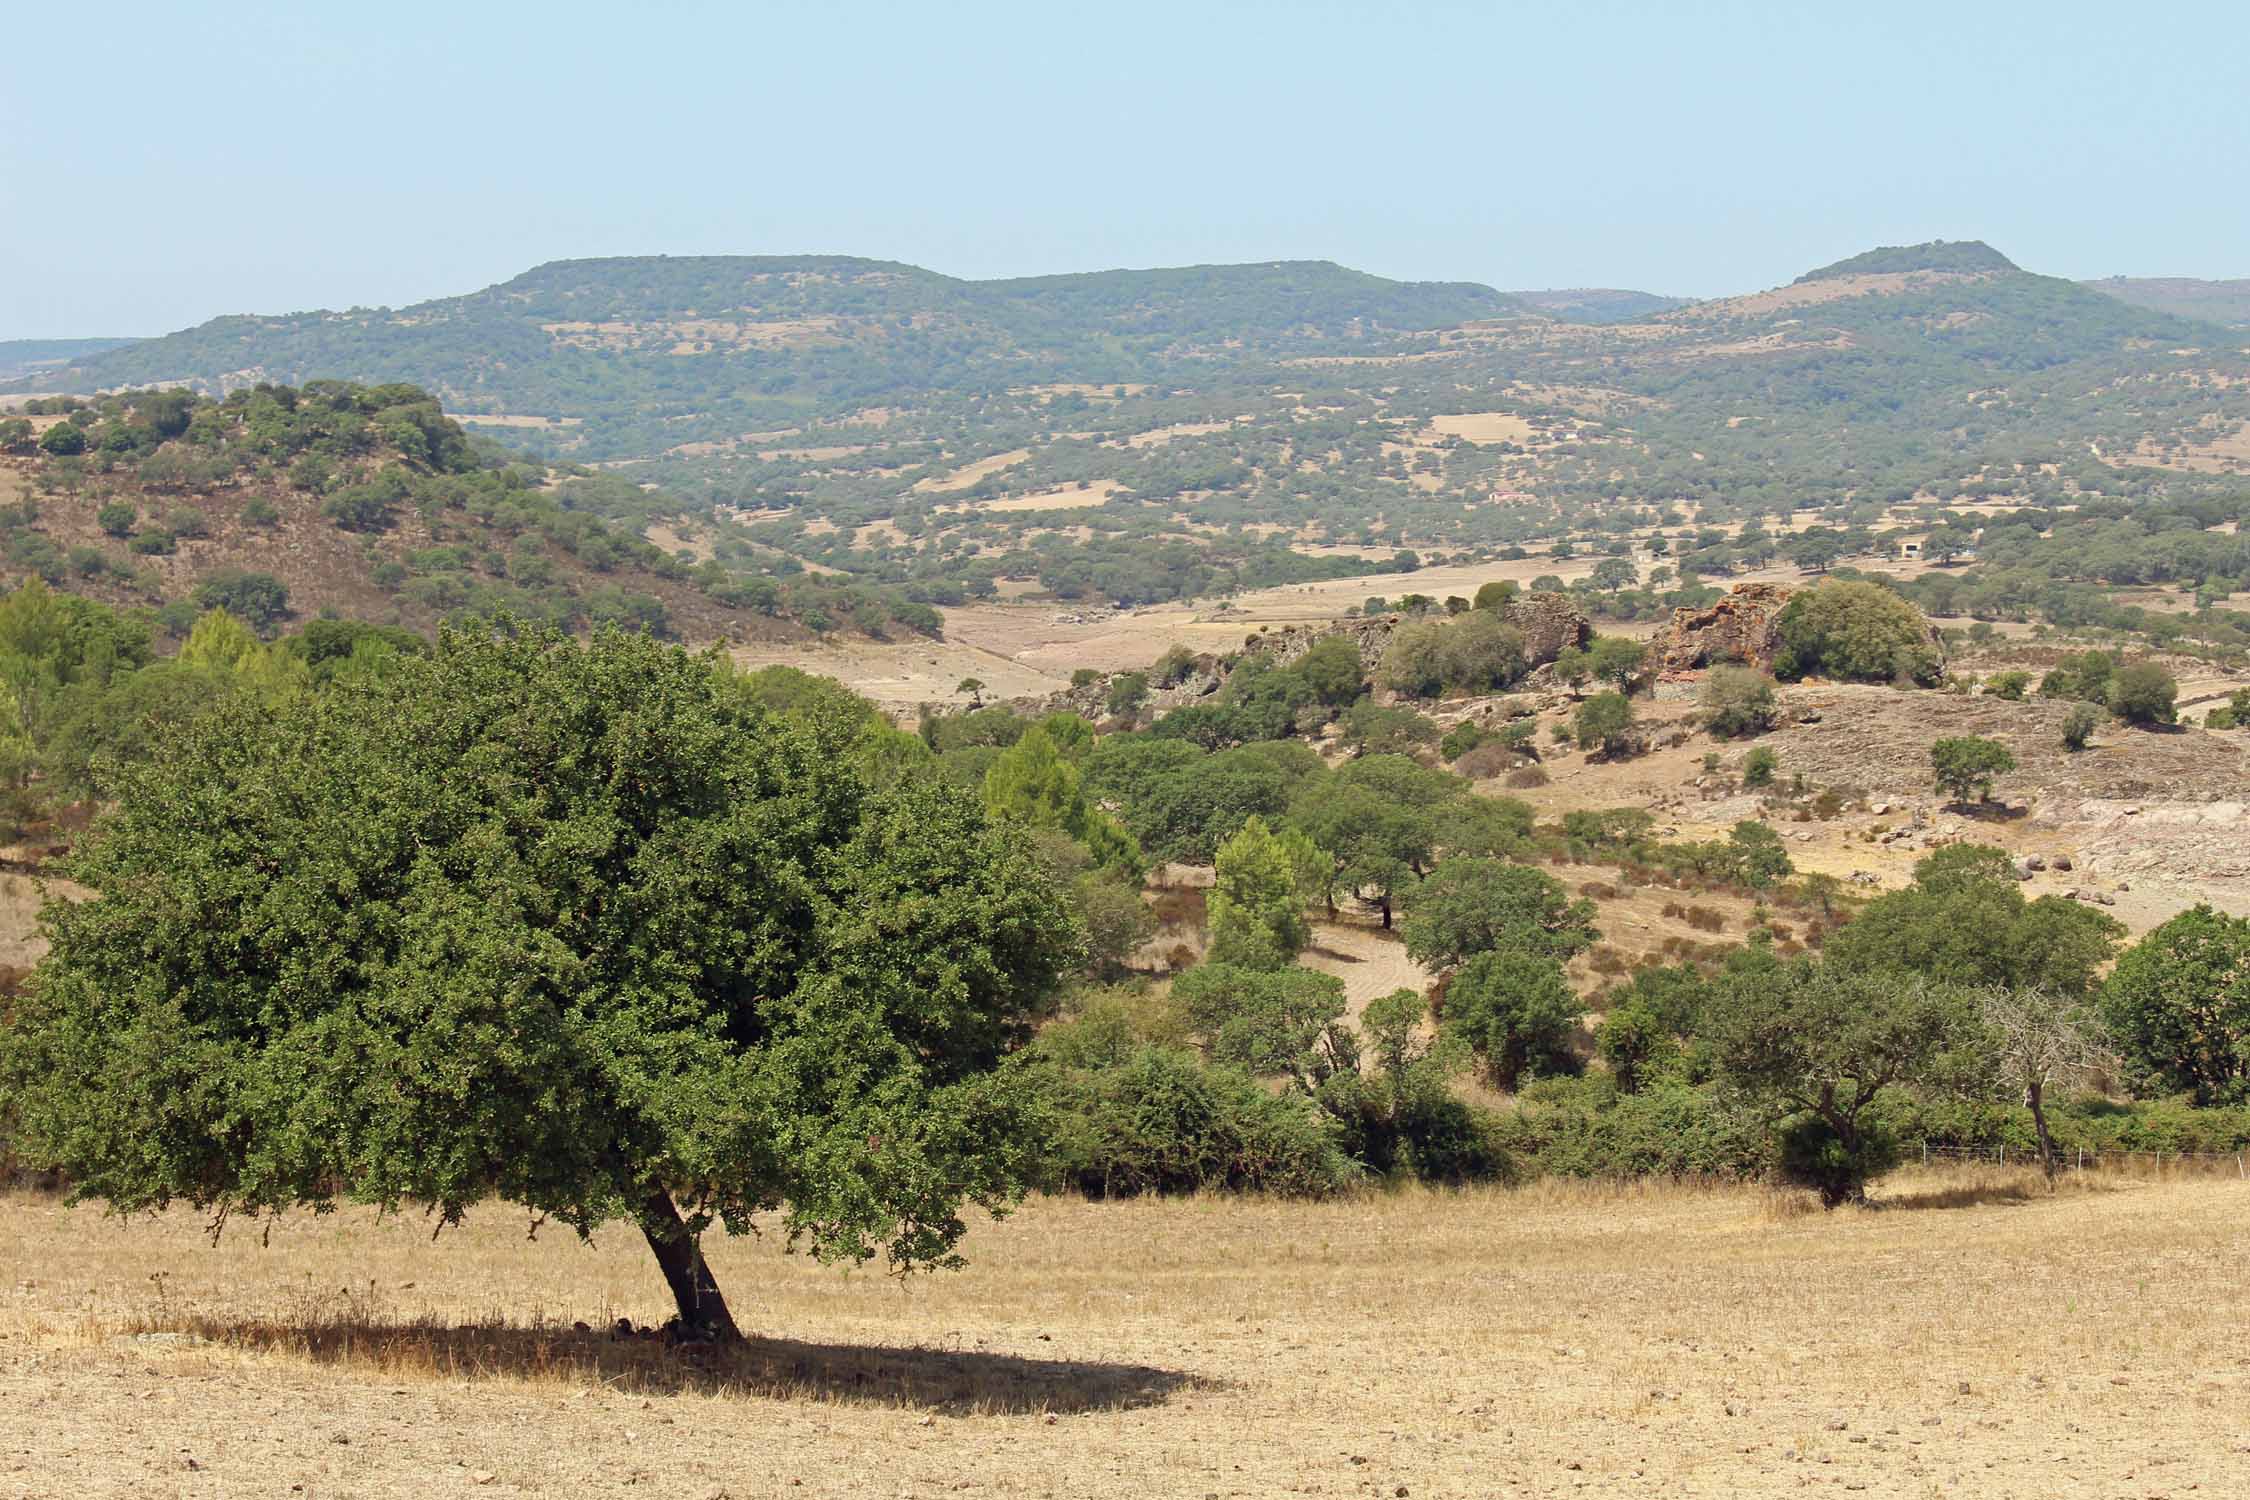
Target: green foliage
column 1604, row 724
column 1473, row 653
column 1496, row 594
column 1514, row 1008
column 260, row 599
column 1375, row 729
column 2144, row 694
column 1616, row 660
column 1127, row 692
column 1759, row 765
column 1738, row 701
column 2008, row 687
column 2179, row 1005
column 1333, row 671
column 1461, row 739
column 1257, row 915
column 1965, row 922
column 563, row 925
column 118, row 518
column 1854, row 632
column 63, row 440
column 2078, row 726
column 1470, row 906
column 1965, row 766
column 2084, row 676
column 1814, row 1050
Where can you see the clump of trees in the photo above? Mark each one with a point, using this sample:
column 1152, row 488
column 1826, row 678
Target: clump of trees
column 1856, row 632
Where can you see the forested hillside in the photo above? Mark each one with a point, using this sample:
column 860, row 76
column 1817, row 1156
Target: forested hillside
column 2225, row 302
column 368, row 503
column 1132, row 436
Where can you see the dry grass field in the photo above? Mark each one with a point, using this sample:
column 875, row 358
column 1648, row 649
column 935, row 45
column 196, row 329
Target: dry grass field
column 1969, row 1336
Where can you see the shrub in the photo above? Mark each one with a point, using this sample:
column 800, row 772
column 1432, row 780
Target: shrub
column 1604, row 722
column 2008, row 686
column 2144, row 693
column 154, row 544
column 1084, row 677
column 2078, row 726
column 260, row 511
column 1127, row 692
column 2083, row 676
column 1738, row 701
column 1965, row 765
column 187, row 521
column 259, row 600
column 1473, row 653
column 1173, row 667
column 1525, row 777
column 1759, row 765
column 1855, row 632
column 1461, row 739
column 1487, row 760
column 63, row 440
column 118, row 518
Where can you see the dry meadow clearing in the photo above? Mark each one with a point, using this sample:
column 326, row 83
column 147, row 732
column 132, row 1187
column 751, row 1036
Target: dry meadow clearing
column 1971, row 1336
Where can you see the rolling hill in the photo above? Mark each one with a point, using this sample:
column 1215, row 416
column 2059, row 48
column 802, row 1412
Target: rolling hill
column 27, row 358
column 1143, row 435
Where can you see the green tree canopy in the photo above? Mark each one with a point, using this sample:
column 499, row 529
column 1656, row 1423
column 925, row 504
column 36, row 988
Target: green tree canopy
column 1257, row 913
column 2179, row 1005
column 1471, row 906
column 1965, row 922
column 1965, row 766
column 565, row 925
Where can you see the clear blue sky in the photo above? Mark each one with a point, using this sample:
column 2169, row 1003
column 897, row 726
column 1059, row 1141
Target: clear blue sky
column 160, row 164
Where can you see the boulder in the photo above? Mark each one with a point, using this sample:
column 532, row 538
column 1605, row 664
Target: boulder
column 1742, row 626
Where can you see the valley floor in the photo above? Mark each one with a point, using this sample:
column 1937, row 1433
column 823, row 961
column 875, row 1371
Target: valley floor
column 1970, row 1336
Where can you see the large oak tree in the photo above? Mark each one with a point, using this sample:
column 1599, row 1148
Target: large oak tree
column 581, row 927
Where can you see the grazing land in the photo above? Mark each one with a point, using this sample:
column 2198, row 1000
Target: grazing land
column 1968, row 1335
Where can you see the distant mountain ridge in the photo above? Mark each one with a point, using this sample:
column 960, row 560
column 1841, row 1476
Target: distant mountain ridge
column 2223, row 302
column 23, row 357
column 1594, row 304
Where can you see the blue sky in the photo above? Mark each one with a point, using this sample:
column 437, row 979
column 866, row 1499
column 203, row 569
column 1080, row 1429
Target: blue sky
column 161, row 164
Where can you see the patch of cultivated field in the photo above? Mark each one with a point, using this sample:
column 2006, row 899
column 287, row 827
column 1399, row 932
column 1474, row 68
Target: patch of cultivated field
column 969, row 474
column 1484, row 427
column 1074, row 497
column 1969, row 1336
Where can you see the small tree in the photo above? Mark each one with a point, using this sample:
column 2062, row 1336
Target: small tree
column 2078, row 726
column 1966, row 765
column 1814, row 1051
column 1759, row 765
column 1604, row 723
column 565, row 925
column 2009, row 687
column 2144, row 694
column 974, row 687
column 1738, row 701
column 1615, row 660
column 1572, row 668
column 63, row 440
column 1472, row 906
column 1256, row 912
column 1127, row 692
column 1517, row 1012
column 118, row 518
column 2036, row 1035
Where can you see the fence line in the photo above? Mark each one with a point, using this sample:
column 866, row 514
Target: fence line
column 2080, row 1158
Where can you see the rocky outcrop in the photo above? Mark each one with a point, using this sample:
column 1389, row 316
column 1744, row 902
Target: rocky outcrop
column 1743, row 626
column 1549, row 622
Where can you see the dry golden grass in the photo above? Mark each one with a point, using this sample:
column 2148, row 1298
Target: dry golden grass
column 1970, row 1336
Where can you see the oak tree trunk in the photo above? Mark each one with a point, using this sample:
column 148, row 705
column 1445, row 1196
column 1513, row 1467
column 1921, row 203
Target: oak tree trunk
column 703, row 1310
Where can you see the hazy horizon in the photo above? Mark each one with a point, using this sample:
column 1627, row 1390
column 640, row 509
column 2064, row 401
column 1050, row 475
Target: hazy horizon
column 266, row 159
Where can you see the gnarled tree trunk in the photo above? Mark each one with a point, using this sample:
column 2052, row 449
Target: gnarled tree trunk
column 703, row 1311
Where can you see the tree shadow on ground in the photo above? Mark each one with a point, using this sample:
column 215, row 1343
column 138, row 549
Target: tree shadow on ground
column 956, row 1382
column 1967, row 1195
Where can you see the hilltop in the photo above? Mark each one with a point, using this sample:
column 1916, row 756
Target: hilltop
column 1955, row 257
column 365, row 503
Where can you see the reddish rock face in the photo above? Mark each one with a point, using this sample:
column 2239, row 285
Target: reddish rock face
column 1742, row 626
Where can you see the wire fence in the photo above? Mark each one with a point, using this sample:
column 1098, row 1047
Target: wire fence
column 2088, row 1159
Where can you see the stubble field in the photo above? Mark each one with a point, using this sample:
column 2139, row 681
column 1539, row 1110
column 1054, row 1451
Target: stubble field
column 1971, row 1336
